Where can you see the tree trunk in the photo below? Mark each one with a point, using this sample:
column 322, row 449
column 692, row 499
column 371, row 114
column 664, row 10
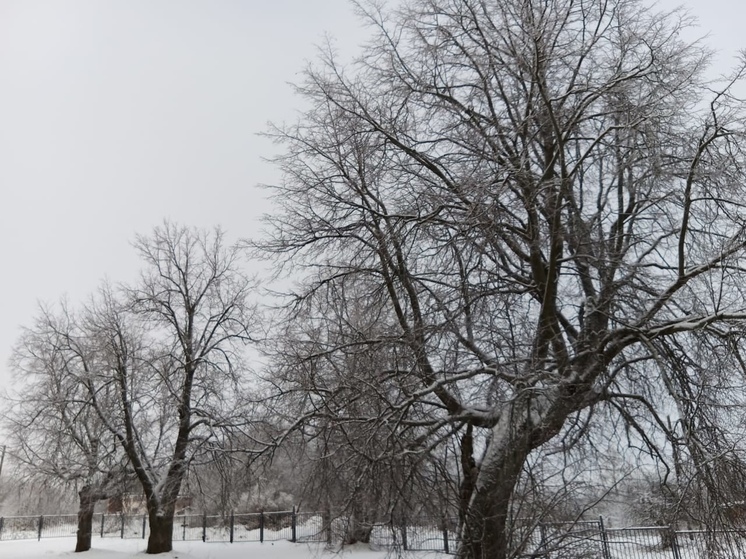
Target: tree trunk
column 161, row 532
column 161, row 508
column 522, row 427
column 359, row 531
column 470, row 473
column 88, row 500
column 484, row 533
column 359, row 528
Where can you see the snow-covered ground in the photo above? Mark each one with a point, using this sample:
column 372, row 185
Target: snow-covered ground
column 103, row 548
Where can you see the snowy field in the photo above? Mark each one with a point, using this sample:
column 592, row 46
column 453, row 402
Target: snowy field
column 583, row 541
column 53, row 548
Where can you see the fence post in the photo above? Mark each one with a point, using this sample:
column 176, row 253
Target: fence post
column 232, row 519
column 604, row 540
column 674, row 543
column 143, row 525
column 404, row 542
column 261, row 526
column 328, row 525
column 204, row 526
column 293, row 523
column 2, row 520
column 183, row 528
column 103, row 516
column 543, row 538
column 445, row 537
column 41, row 525
column 121, row 526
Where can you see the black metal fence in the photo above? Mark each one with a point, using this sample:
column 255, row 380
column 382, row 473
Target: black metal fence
column 294, row 526
column 576, row 540
column 634, row 543
column 592, row 540
column 258, row 527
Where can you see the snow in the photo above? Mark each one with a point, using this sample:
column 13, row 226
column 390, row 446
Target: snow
column 111, row 548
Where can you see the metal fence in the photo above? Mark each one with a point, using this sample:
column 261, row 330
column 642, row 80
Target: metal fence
column 250, row 527
column 294, row 526
column 637, row 543
column 592, row 540
column 576, row 540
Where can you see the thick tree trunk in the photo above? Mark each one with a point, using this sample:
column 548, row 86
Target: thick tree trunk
column 161, row 532
column 88, row 498
column 521, row 428
column 162, row 507
column 484, row 535
column 359, row 527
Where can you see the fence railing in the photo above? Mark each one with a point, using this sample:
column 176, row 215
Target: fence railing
column 592, row 540
column 259, row 527
column 576, row 540
column 294, row 526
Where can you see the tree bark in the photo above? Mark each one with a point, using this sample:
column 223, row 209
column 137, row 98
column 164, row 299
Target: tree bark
column 484, row 534
column 359, row 526
column 88, row 498
column 161, row 532
column 470, row 473
column 522, row 427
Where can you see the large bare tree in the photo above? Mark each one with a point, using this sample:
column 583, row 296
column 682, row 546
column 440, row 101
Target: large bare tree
column 538, row 206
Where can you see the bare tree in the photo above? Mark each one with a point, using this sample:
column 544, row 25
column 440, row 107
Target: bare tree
column 339, row 404
column 53, row 432
column 543, row 202
column 192, row 303
column 160, row 364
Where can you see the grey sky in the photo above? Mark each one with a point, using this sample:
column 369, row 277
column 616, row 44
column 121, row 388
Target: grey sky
column 116, row 115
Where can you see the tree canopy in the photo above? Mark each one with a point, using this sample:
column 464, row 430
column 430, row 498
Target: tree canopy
column 512, row 215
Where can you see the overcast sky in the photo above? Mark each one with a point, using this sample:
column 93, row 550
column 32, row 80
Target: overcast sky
column 117, row 114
